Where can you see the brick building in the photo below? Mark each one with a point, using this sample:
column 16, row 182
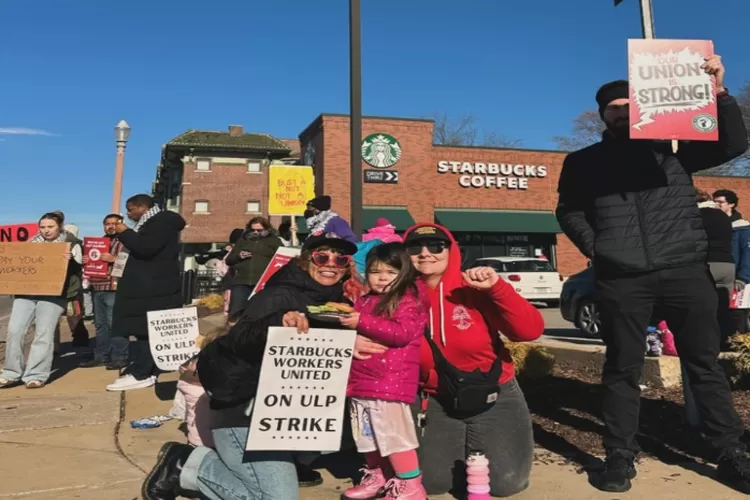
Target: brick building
column 497, row 201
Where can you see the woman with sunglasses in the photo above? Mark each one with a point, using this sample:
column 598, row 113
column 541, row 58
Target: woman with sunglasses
column 249, row 257
column 470, row 400
column 228, row 369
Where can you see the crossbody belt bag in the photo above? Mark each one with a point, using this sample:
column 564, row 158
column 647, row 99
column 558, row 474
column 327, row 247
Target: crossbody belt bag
column 465, row 394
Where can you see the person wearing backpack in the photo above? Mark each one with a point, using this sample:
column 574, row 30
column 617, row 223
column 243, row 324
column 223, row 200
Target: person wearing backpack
column 470, row 399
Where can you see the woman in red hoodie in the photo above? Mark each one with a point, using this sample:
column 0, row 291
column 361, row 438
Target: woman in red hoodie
column 470, row 400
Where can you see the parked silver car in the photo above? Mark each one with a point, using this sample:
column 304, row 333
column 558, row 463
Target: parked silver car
column 578, row 304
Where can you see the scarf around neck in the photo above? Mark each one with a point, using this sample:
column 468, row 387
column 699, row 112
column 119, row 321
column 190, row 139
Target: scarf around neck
column 40, row 239
column 145, row 217
column 318, row 223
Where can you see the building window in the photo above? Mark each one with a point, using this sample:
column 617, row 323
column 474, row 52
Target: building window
column 201, row 207
column 203, row 165
column 253, row 167
column 253, row 207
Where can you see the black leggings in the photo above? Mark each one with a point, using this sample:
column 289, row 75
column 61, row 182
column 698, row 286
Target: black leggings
column 502, row 433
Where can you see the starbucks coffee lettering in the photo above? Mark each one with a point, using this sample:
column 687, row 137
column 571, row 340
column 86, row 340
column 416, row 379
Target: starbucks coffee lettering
column 492, row 175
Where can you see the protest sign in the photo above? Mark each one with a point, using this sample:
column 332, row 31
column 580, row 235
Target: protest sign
column 33, row 268
column 281, row 258
column 740, row 299
column 15, row 233
column 119, row 266
column 171, row 335
column 290, row 188
column 301, row 393
column 671, row 96
column 93, row 248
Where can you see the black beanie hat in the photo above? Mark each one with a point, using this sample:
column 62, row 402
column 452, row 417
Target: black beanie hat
column 619, row 89
column 322, row 203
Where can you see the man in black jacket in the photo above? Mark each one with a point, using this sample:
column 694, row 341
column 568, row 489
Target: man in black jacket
column 629, row 206
column 150, row 266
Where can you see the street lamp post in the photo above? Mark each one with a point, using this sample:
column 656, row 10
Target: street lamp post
column 355, row 116
column 122, row 133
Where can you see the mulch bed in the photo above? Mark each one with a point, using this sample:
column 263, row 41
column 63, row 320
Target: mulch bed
column 565, row 409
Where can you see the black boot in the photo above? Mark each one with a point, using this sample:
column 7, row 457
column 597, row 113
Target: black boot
column 307, row 476
column 734, row 469
column 619, row 469
column 163, row 482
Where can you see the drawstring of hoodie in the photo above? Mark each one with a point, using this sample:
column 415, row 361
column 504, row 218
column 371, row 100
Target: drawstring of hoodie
column 442, row 319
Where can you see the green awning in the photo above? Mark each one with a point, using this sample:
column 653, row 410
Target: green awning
column 498, row 221
column 399, row 217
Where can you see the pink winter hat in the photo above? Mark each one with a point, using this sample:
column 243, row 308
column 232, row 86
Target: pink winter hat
column 382, row 222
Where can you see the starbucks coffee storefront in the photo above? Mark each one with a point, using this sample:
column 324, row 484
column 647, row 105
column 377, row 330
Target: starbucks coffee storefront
column 497, row 202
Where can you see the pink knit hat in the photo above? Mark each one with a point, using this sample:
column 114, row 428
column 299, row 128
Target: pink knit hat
column 382, row 222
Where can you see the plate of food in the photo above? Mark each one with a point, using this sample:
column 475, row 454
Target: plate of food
column 329, row 312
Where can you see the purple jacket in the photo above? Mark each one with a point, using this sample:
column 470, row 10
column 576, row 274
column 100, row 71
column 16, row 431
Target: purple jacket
column 339, row 226
column 393, row 375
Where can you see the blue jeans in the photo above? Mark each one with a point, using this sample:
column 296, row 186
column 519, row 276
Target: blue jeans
column 231, row 473
column 107, row 347
column 45, row 312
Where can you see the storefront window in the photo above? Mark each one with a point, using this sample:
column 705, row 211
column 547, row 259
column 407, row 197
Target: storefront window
column 475, row 246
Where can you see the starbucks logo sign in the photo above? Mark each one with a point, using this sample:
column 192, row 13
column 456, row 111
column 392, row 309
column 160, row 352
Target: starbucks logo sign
column 381, row 150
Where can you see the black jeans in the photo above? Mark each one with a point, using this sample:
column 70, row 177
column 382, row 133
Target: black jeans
column 238, row 298
column 503, row 433
column 142, row 364
column 687, row 298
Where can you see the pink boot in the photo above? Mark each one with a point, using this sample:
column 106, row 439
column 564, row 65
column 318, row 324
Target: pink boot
column 368, row 488
column 405, row 489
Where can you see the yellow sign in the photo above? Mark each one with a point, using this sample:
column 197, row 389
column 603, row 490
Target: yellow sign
column 289, row 189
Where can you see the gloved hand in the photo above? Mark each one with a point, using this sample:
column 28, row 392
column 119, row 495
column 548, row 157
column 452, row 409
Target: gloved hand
column 739, row 285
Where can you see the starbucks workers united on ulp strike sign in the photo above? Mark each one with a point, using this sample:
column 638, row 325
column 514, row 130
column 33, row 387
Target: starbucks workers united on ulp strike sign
column 671, row 96
column 171, row 335
column 302, row 390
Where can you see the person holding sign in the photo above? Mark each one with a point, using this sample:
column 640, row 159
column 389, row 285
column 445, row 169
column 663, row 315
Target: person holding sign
column 44, row 311
column 383, row 386
column 470, row 399
column 249, row 257
column 150, row 281
column 229, row 369
column 629, row 206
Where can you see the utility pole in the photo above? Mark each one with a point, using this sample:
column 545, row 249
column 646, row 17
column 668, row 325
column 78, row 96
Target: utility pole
column 355, row 116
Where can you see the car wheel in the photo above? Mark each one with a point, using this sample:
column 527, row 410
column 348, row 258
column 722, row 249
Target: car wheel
column 587, row 319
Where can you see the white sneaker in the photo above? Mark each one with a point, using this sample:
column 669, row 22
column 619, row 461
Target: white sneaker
column 129, row 382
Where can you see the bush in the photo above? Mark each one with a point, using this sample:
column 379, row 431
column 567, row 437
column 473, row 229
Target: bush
column 532, row 360
column 740, row 365
column 214, row 301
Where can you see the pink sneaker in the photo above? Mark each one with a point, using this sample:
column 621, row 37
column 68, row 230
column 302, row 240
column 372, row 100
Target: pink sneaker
column 368, row 488
column 405, row 489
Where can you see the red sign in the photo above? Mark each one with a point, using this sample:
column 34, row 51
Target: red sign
column 671, row 97
column 93, row 248
column 16, row 233
column 281, row 258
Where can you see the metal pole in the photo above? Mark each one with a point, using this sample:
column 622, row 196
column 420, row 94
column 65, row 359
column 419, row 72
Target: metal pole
column 647, row 19
column 119, row 168
column 355, row 116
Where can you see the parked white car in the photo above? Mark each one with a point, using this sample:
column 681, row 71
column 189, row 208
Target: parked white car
column 534, row 279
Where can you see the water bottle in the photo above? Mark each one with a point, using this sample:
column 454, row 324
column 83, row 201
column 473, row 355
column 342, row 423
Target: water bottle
column 478, row 476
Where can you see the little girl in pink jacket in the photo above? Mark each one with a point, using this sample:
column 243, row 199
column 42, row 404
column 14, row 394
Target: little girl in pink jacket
column 395, row 314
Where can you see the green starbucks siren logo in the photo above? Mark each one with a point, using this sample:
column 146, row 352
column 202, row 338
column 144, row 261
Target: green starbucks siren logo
column 381, row 150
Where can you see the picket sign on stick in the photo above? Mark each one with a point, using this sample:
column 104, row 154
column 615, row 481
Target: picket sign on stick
column 301, row 393
column 172, row 334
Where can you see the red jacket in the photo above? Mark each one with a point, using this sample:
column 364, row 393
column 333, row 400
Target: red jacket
column 466, row 322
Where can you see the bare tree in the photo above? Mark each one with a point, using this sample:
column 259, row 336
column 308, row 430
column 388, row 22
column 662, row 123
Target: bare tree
column 739, row 166
column 463, row 131
column 587, row 129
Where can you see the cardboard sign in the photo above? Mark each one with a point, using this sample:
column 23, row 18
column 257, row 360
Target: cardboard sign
column 120, row 261
column 171, row 335
column 302, row 390
column 289, row 189
column 33, row 268
column 16, row 233
column 671, row 97
column 93, row 248
column 281, row 258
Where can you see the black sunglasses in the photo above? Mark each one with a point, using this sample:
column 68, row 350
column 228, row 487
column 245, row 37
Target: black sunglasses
column 432, row 246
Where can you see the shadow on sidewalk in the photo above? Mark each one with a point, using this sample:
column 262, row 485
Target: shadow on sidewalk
column 64, row 363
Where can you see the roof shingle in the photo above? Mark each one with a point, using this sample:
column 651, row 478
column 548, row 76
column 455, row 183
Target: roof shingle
column 208, row 139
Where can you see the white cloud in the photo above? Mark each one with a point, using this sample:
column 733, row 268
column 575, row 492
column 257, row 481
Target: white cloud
column 24, row 131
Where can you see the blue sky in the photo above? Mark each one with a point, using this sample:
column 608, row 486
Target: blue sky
column 71, row 69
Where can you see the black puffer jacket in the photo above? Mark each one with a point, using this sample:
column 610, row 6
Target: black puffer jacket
column 229, row 367
column 629, row 205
